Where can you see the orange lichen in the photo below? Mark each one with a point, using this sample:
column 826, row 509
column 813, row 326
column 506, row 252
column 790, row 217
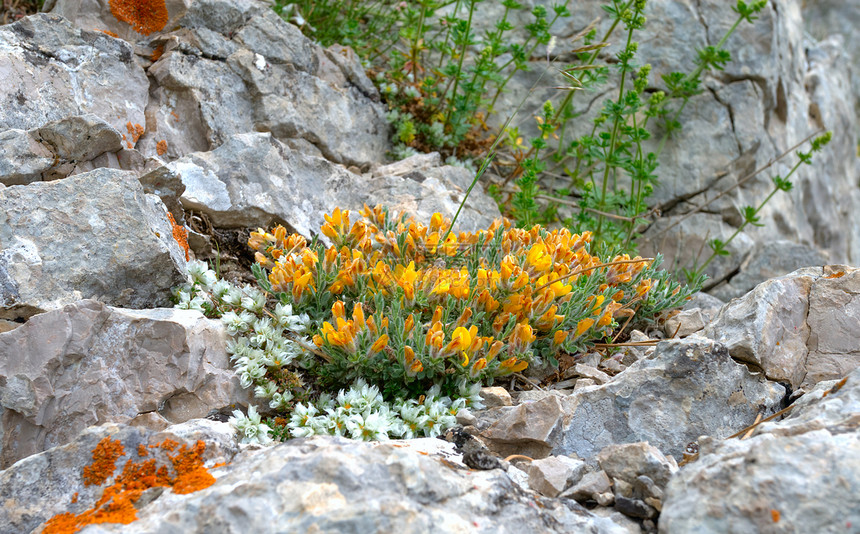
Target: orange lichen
column 141, row 450
column 116, row 504
column 175, row 116
column 157, row 53
column 180, row 234
column 136, row 131
column 161, row 147
column 105, row 456
column 775, row 515
column 108, row 32
column 144, row 16
column 75, row 498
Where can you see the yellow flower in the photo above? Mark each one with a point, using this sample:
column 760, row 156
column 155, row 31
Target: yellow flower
column 559, row 337
column 582, row 326
column 379, row 344
column 538, row 258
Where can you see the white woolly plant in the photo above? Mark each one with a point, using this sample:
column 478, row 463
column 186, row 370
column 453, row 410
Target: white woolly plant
column 262, row 341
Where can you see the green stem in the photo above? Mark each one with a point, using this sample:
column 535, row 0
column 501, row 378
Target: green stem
column 460, row 63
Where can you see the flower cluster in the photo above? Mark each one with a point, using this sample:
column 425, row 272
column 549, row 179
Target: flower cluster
column 410, row 305
column 408, row 320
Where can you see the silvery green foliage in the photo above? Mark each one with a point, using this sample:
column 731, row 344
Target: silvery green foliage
column 250, row 428
column 361, row 413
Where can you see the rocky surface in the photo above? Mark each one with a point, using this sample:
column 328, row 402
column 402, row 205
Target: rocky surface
column 685, row 389
column 799, row 474
column 88, row 363
column 228, row 116
column 799, row 329
column 128, row 258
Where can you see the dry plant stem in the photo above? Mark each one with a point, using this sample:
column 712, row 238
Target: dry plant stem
column 751, row 430
column 580, row 271
column 765, row 420
column 742, row 181
column 647, row 343
column 528, row 381
column 519, row 457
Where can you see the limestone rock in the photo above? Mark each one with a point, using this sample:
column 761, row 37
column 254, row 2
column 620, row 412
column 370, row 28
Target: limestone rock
column 686, row 389
column 694, row 316
column 89, row 363
column 96, row 15
column 631, row 460
column 798, row 472
column 255, row 180
column 256, row 72
column 94, row 235
column 53, row 70
column 551, row 476
column 45, row 484
column 529, row 429
column 319, row 484
column 799, row 328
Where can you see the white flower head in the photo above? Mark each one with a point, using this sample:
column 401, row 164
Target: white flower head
column 250, row 428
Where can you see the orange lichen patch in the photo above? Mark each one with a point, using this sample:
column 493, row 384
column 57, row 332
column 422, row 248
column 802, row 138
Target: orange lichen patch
column 180, row 234
column 105, row 456
column 144, row 16
column 75, row 498
column 836, row 275
column 774, row 514
column 129, row 145
column 136, row 131
column 108, row 32
column 161, row 147
column 141, row 450
column 175, row 116
column 157, row 53
column 116, row 504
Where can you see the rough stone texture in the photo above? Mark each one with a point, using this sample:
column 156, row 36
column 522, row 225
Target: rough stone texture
column 694, row 316
column 630, row 460
column 550, row 476
column 686, row 389
column 23, row 159
column 802, row 473
column 255, row 180
column 495, row 396
column 41, row 486
column 241, row 68
column 767, row 261
column 94, row 235
column 823, row 18
column 531, row 429
column 89, row 363
column 800, row 328
column 320, row 484
column 590, row 487
column 52, row 70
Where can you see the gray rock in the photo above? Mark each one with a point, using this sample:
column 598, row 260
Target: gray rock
column 43, row 485
column 80, row 137
column 255, row 180
column 590, row 487
column 767, row 261
column 551, row 476
column 272, row 80
column 102, row 364
column 629, row 461
column 23, row 159
column 94, row 235
column 686, row 389
column 495, row 396
column 53, row 70
column 694, row 316
column 96, row 15
column 634, row 508
column 798, row 472
column 799, row 328
column 530, row 429
column 593, row 373
column 327, row 485
column 823, row 19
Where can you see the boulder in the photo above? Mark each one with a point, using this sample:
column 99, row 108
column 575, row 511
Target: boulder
column 685, row 389
column 255, row 180
column 94, row 235
column 799, row 328
column 319, row 484
column 694, row 316
column 53, row 71
column 551, row 476
column 234, row 68
column 798, row 474
column 88, row 363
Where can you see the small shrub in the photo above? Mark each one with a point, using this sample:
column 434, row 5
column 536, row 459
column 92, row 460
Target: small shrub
column 408, row 320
